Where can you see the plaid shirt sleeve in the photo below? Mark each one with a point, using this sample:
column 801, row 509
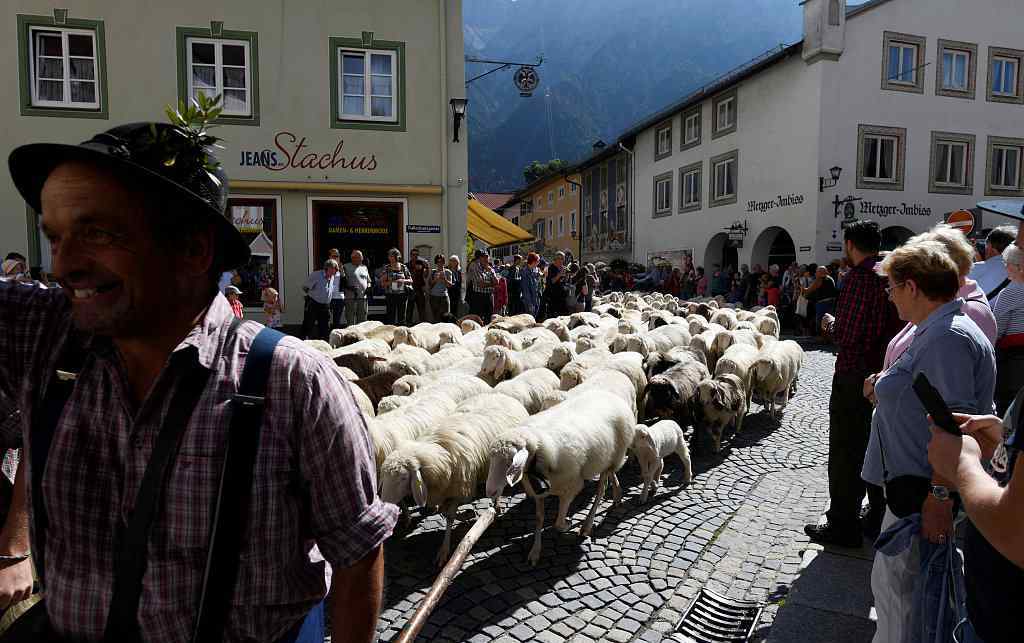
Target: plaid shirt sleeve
column 861, row 312
column 336, row 456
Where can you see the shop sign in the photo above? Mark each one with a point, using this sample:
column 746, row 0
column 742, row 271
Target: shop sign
column 902, row 209
column 423, row 229
column 833, row 247
column 292, row 152
column 247, row 218
column 781, row 201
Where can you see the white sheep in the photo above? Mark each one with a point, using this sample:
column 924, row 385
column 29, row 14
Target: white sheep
column 445, row 467
column 539, row 334
column 429, row 336
column 501, row 337
column 652, row 444
column 475, row 341
column 739, row 360
column 767, row 325
column 559, row 328
column 407, row 359
column 725, row 317
column 513, row 324
column 409, row 384
column 588, row 435
column 607, row 380
column 584, row 319
column 697, row 324
column 562, row 354
column 723, row 341
column 407, row 423
column 530, row 388
column 385, row 333
column 363, row 356
column 629, row 364
column 501, row 363
column 660, row 339
column 448, row 357
column 724, row 402
column 572, row 374
column 775, row 373
column 469, row 325
column 354, row 333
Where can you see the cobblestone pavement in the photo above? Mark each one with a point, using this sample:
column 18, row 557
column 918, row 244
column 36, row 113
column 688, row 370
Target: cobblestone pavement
column 737, row 527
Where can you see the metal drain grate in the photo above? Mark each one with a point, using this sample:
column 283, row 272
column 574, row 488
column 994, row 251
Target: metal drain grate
column 713, row 618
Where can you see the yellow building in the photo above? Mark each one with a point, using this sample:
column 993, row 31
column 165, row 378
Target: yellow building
column 549, row 208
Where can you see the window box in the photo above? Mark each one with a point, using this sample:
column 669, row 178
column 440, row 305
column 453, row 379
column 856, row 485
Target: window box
column 663, row 195
column 957, row 69
column 952, row 163
column 663, row 141
column 881, row 157
column 62, row 67
column 1002, row 167
column 689, row 187
column 691, row 128
column 724, row 112
column 367, row 84
column 724, row 179
column 1005, row 82
column 903, row 58
column 225, row 63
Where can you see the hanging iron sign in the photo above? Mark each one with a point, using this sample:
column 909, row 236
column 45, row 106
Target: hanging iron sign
column 526, row 79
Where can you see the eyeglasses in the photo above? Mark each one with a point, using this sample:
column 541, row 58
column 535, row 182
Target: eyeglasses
column 889, row 289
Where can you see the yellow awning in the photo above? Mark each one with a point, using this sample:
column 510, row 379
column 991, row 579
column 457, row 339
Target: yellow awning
column 492, row 228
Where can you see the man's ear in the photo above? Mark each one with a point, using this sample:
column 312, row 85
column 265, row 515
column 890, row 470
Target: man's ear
column 197, row 251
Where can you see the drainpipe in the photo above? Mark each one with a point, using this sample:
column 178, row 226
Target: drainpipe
column 442, row 24
column 632, row 202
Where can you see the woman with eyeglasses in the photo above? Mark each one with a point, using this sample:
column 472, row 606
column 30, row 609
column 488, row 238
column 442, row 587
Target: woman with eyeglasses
column 954, row 354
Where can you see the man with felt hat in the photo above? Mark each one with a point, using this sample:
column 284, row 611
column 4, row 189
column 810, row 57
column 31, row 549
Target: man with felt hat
column 134, row 402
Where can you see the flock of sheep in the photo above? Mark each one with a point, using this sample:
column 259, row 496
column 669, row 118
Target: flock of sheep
column 452, row 408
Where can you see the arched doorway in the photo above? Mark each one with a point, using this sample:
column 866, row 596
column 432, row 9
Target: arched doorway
column 720, row 252
column 894, row 237
column 774, row 246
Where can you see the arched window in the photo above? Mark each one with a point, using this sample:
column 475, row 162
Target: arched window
column 833, row 13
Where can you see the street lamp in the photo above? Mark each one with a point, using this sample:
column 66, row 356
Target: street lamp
column 823, row 183
column 458, row 107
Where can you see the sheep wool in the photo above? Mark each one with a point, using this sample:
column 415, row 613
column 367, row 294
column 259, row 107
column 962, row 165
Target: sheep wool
column 652, row 444
column 530, row 388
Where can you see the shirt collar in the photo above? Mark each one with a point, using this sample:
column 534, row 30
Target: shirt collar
column 940, row 313
column 868, row 264
column 205, row 337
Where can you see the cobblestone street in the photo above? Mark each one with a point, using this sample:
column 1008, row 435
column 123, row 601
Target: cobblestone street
column 736, row 528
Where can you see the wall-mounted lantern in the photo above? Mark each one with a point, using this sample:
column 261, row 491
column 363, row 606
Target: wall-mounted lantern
column 458, row 107
column 835, row 171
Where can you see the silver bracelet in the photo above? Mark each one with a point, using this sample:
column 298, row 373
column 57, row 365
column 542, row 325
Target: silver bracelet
column 14, row 559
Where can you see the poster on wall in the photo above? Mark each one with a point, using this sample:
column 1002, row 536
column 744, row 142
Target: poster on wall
column 256, row 219
column 674, row 258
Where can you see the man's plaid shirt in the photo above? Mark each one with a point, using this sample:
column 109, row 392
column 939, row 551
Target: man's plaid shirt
column 314, row 479
column 865, row 321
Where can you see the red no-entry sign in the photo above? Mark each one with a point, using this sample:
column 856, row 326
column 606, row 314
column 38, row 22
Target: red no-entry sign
column 962, row 220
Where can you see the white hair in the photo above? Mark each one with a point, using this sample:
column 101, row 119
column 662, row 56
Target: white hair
column 1013, row 255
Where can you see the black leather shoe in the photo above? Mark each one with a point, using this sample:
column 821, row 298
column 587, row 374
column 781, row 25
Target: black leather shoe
column 828, row 534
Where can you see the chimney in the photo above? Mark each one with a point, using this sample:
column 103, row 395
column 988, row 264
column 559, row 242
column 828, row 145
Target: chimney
column 824, row 30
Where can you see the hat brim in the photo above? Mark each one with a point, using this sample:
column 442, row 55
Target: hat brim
column 1013, row 209
column 30, row 166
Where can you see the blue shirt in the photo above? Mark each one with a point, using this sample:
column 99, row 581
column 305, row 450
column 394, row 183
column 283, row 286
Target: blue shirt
column 320, row 287
column 989, row 273
column 959, row 361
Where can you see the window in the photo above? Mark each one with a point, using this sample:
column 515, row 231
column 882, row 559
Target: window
column 62, row 68
column 691, row 129
column 561, row 192
column 904, row 60
column 724, row 183
column 663, row 141
column 689, row 193
column 663, row 195
column 222, row 65
column 538, row 230
column 952, row 163
column 1003, row 166
column 587, row 209
column 724, row 112
column 561, row 225
column 1004, row 75
column 881, row 157
column 833, row 13
column 551, row 228
column 572, row 188
column 257, row 219
column 551, row 198
column 367, row 83
column 220, row 68
column 540, row 202
column 957, row 69
column 572, row 221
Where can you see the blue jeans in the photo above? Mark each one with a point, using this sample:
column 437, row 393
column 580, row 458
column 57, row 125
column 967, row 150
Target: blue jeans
column 310, row 630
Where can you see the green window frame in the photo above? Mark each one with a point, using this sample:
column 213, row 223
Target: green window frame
column 26, row 23
column 368, row 43
column 216, row 32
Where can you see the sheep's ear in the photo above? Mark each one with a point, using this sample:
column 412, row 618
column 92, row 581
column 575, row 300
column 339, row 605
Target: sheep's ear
column 419, row 490
column 515, row 470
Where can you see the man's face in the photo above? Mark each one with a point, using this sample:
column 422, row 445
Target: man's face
column 330, row 271
column 357, row 258
column 104, row 253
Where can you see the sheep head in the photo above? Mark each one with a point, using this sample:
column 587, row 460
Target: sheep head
column 402, row 336
column 509, row 456
column 561, row 356
column 585, row 343
column 662, row 398
column 400, row 477
column 468, row 326
column 495, row 364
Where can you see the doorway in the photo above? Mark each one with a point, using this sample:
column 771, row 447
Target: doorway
column 373, row 227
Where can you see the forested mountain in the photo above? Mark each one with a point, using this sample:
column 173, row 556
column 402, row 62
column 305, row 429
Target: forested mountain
column 607, row 64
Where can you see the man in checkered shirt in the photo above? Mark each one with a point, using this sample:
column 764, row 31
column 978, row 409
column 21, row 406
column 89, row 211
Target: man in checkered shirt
column 117, row 216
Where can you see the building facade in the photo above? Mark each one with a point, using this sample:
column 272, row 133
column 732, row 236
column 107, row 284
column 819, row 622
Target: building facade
column 916, row 103
column 549, row 209
column 336, row 122
column 608, row 203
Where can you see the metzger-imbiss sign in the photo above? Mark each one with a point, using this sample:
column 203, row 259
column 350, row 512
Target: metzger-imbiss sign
column 291, row 152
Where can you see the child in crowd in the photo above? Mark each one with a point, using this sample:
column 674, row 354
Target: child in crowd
column 702, row 283
column 232, row 293
column 762, row 290
column 272, row 307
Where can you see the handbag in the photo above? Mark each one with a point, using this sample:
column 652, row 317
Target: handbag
column 230, row 511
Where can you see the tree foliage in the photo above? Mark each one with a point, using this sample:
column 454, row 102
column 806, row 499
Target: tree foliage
column 538, row 170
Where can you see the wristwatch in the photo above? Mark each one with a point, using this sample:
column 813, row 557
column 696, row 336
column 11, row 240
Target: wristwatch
column 940, row 493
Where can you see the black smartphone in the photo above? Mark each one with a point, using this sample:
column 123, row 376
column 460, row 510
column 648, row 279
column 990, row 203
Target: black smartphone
column 935, row 405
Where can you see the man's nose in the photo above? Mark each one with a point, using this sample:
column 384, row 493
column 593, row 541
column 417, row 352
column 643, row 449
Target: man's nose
column 68, row 258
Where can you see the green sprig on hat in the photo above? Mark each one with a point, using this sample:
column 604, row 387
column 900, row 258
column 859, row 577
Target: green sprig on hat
column 184, row 147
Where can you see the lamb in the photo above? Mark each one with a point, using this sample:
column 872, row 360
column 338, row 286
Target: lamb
column 361, row 356
column 724, row 402
column 429, row 336
column 530, row 388
column 659, row 339
column 446, row 467
column 673, row 394
column 376, row 387
column 407, row 423
column 501, row 363
column 588, row 435
column 564, row 353
column 652, row 444
column 354, row 333
column 775, row 372
column 726, row 317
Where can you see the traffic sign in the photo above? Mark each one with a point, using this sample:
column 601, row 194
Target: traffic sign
column 962, row 220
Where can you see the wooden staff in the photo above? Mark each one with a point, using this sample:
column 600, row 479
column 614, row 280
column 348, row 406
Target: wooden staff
column 444, row 579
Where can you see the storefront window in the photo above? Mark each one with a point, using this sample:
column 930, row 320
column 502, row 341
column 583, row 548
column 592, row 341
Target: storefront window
column 257, row 220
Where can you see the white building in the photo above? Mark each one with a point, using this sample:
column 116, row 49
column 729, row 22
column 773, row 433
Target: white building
column 919, row 102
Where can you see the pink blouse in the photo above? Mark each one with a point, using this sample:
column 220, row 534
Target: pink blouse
column 975, row 306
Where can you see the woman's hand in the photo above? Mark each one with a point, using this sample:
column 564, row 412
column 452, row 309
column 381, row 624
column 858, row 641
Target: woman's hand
column 936, row 519
column 869, row 388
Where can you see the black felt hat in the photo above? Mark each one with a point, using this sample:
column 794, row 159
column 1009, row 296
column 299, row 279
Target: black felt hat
column 1007, row 208
column 164, row 157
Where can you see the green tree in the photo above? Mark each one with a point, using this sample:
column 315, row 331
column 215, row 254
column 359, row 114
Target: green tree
column 537, row 170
